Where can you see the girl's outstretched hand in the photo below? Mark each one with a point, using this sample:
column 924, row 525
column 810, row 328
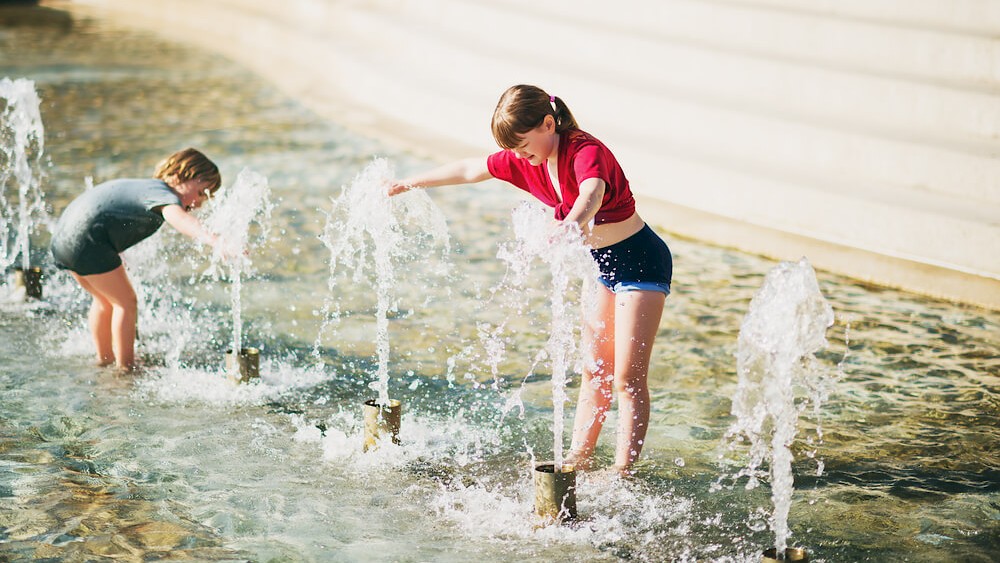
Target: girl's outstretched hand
column 227, row 252
column 397, row 188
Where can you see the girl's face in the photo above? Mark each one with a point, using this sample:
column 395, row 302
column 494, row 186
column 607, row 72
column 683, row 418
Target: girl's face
column 193, row 193
column 538, row 144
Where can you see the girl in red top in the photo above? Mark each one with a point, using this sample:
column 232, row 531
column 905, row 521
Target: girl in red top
column 545, row 153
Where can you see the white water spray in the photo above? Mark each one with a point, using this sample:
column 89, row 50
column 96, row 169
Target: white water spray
column 241, row 215
column 569, row 260
column 22, row 143
column 367, row 231
column 785, row 326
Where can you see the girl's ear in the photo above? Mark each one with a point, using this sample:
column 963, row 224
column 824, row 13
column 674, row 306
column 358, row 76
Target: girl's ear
column 548, row 124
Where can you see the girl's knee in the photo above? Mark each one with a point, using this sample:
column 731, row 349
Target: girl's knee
column 598, row 390
column 632, row 390
column 101, row 305
column 599, row 380
column 127, row 301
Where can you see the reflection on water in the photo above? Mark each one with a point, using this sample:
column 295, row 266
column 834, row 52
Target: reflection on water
column 176, row 462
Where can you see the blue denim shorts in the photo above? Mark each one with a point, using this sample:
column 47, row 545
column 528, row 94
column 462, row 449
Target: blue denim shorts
column 641, row 262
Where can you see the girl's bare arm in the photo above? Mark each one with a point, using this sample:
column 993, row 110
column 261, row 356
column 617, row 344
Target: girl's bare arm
column 588, row 203
column 467, row 171
column 187, row 224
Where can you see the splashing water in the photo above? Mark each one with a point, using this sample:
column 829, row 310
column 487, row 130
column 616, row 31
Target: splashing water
column 235, row 210
column 569, row 260
column 165, row 323
column 367, row 230
column 22, row 143
column 785, row 326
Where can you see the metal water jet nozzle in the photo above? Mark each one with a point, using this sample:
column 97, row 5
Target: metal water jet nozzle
column 797, row 554
column 246, row 364
column 30, row 280
column 381, row 420
column 555, row 491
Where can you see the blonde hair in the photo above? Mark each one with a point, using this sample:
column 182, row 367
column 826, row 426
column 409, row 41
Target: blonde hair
column 522, row 108
column 189, row 164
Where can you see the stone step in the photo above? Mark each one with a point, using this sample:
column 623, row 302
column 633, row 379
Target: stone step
column 980, row 17
column 864, row 37
column 831, row 96
column 921, row 227
column 697, row 125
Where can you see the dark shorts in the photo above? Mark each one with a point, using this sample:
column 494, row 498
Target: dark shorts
column 640, row 262
column 86, row 253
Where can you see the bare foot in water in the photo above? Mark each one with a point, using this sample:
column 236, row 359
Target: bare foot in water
column 577, row 461
column 128, row 369
column 625, row 472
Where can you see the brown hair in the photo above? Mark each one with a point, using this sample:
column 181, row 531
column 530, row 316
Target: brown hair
column 189, row 164
column 522, row 108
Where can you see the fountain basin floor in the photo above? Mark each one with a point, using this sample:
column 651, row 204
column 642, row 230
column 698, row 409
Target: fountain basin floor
column 178, row 460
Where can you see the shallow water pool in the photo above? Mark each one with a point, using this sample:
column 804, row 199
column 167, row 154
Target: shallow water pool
column 176, row 462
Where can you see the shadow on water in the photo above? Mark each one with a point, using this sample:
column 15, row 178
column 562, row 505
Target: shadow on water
column 27, row 13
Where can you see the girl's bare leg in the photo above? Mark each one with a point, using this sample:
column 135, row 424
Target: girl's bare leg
column 637, row 320
column 99, row 321
column 596, row 386
column 112, row 316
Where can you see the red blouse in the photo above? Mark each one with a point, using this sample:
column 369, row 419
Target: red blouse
column 580, row 157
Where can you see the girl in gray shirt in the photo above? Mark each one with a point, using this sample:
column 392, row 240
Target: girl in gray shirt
column 111, row 217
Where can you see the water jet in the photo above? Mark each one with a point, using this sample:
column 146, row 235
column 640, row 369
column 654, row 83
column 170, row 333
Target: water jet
column 784, row 328
column 569, row 262
column 236, row 209
column 22, row 209
column 367, row 231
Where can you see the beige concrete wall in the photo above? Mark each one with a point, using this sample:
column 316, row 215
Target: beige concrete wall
column 864, row 134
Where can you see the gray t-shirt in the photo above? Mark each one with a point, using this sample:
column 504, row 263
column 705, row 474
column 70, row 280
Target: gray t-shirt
column 108, row 219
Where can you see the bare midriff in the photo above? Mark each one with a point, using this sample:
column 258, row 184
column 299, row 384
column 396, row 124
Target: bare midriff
column 607, row 234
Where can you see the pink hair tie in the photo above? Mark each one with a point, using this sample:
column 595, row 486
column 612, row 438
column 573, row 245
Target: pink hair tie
column 552, row 102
